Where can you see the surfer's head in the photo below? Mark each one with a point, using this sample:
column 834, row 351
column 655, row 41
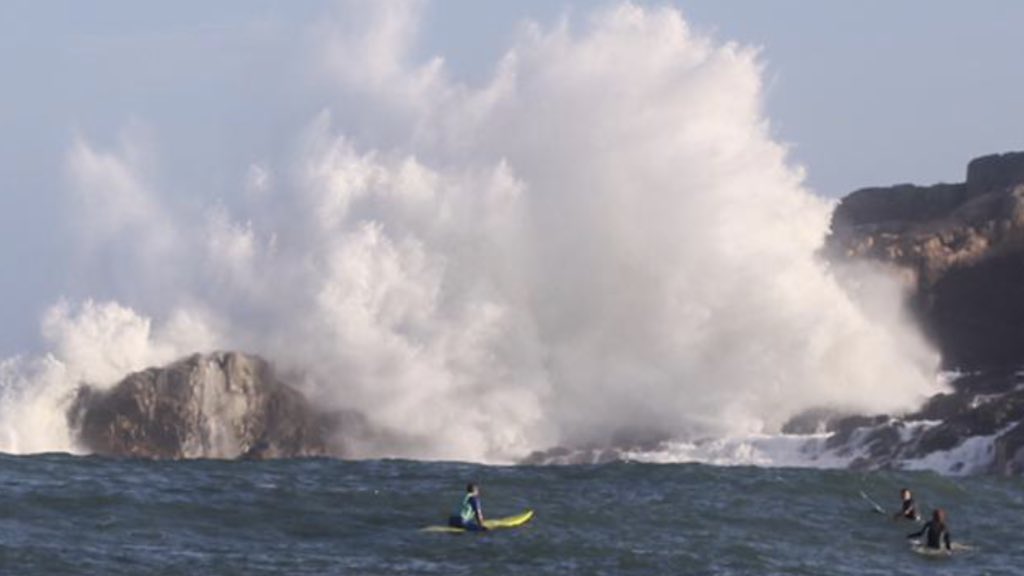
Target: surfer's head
column 939, row 516
column 472, row 488
column 905, row 494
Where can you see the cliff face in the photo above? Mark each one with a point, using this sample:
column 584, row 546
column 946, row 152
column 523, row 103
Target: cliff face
column 961, row 247
column 221, row 405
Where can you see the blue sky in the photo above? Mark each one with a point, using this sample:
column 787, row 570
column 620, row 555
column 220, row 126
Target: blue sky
column 865, row 93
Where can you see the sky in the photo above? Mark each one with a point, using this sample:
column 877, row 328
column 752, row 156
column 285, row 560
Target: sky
column 862, row 93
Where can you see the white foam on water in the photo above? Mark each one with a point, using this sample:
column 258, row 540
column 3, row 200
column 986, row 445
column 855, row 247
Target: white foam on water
column 973, row 455
column 782, row 450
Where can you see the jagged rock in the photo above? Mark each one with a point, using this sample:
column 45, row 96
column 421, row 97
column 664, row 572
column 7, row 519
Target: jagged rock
column 980, row 406
column 221, row 405
column 960, row 247
column 844, row 429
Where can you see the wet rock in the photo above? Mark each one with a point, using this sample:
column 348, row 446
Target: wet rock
column 843, row 430
column 814, row 421
column 989, row 407
column 1008, row 452
column 220, row 405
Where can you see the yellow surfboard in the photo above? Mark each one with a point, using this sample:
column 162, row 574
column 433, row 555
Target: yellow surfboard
column 493, row 524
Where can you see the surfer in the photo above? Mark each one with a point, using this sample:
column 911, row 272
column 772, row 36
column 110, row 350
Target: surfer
column 936, row 531
column 470, row 514
column 908, row 509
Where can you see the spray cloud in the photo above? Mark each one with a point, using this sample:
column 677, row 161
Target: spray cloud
column 602, row 237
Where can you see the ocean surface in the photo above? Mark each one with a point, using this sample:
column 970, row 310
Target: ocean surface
column 84, row 515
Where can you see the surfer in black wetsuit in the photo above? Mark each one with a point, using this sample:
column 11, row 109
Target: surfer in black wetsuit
column 935, row 531
column 908, row 510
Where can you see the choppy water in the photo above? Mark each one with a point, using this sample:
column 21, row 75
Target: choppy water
column 72, row 515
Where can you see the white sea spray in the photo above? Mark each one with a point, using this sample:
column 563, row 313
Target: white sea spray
column 603, row 236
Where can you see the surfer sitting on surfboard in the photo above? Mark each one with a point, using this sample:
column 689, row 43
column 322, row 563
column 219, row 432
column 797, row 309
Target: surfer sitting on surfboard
column 935, row 531
column 470, row 514
column 908, row 509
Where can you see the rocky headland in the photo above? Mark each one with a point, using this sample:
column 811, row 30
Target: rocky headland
column 960, row 248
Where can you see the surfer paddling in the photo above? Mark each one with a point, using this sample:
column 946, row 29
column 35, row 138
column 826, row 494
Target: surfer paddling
column 908, row 510
column 935, row 531
column 470, row 514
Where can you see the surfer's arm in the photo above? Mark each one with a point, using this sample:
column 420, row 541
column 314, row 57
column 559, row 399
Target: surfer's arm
column 478, row 511
column 945, row 536
column 907, row 510
column 919, row 533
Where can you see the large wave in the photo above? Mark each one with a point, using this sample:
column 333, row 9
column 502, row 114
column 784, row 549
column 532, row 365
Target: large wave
column 601, row 239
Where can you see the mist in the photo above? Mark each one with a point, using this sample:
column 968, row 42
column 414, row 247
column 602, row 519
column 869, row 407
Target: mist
column 603, row 236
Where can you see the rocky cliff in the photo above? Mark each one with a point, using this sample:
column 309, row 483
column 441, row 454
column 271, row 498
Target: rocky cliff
column 220, row 405
column 961, row 249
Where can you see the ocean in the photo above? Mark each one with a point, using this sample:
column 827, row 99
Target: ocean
column 65, row 514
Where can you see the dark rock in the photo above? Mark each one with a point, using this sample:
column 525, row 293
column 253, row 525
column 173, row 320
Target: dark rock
column 994, row 173
column 813, row 422
column 221, row 405
column 976, row 313
column 1008, row 452
column 944, row 407
column 844, row 429
column 943, row 437
column 545, row 457
column 960, row 248
column 901, row 204
column 980, row 406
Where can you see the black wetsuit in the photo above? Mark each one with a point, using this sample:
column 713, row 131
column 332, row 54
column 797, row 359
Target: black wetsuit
column 935, row 535
column 909, row 510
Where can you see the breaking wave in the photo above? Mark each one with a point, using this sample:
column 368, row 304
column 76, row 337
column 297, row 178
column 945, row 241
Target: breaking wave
column 602, row 237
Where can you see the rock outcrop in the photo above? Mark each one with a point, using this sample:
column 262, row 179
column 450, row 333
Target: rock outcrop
column 961, row 249
column 976, row 429
column 220, row 405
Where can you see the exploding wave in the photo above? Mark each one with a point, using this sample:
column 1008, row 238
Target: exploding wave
column 601, row 239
